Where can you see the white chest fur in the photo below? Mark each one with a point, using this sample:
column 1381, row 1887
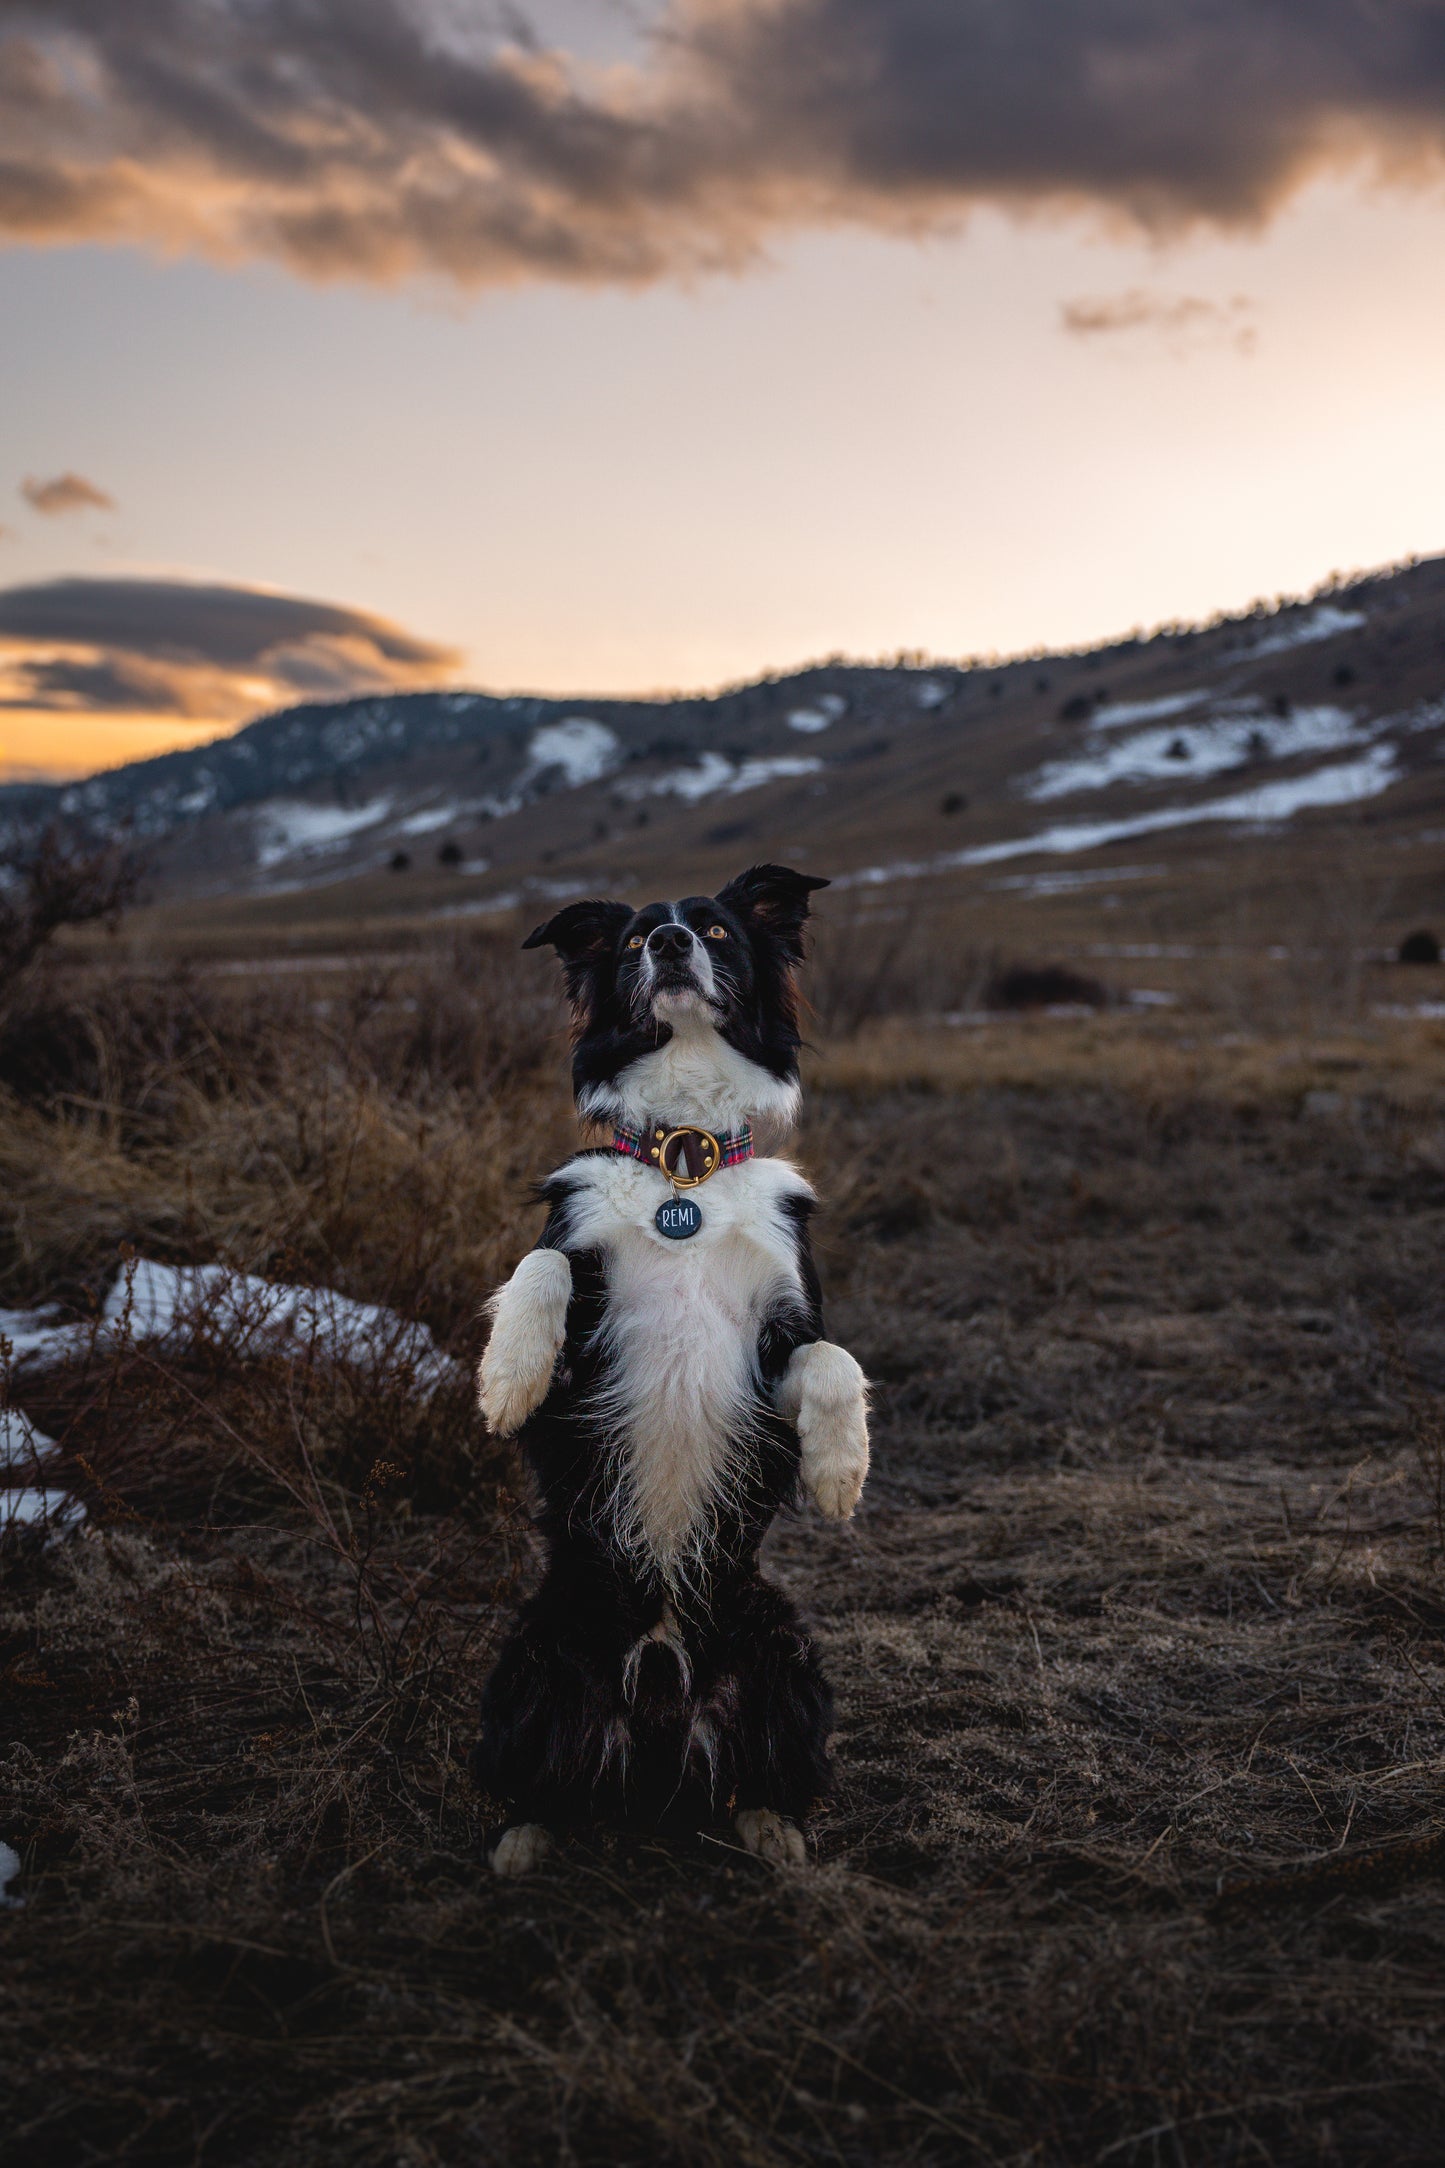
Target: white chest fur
column 695, row 1077
column 681, row 1330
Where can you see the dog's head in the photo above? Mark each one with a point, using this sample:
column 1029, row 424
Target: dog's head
column 711, row 978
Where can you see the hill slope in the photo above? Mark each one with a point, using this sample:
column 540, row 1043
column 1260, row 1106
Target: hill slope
column 1285, row 724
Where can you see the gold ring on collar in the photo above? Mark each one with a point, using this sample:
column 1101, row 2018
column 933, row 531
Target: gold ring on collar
column 712, row 1152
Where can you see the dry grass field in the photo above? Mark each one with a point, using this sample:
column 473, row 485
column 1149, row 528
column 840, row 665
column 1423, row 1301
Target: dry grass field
column 1137, row 1848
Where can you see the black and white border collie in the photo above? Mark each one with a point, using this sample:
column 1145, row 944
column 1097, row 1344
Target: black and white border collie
column 670, row 1391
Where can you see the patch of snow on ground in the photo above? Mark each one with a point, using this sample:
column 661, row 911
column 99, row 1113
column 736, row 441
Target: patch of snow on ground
column 1323, row 623
column 825, row 710
column 286, row 827
column 1064, row 884
column 1210, row 747
column 715, row 772
column 54, row 1509
column 177, row 1303
column 21, row 1444
column 584, row 749
column 506, row 899
column 35, row 1337
column 431, row 817
column 173, row 1304
column 9, row 1869
column 1347, row 783
column 1114, row 717
column 510, row 899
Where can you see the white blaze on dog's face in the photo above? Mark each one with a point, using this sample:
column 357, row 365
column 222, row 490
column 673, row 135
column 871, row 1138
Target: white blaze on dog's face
column 687, row 1010
column 675, row 978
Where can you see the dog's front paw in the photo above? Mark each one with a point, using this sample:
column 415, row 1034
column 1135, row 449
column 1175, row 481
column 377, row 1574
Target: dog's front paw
column 771, row 1837
column 519, row 1849
column 825, row 1394
column 529, row 1325
column 836, row 1487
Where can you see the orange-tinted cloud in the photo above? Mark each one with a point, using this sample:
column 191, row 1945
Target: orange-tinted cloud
column 205, row 653
column 1181, row 318
column 382, row 138
column 64, row 493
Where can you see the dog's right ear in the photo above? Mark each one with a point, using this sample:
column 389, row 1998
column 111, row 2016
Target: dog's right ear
column 582, row 933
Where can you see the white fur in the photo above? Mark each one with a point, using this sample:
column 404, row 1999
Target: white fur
column 520, row 1849
column 696, row 1077
column 825, row 1394
column 700, row 962
column 771, row 1837
column 663, row 1635
column 681, row 1325
column 529, row 1324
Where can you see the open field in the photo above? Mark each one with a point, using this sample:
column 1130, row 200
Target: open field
column 1139, row 1638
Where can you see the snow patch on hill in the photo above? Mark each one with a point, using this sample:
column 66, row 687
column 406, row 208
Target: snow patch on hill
column 1325, row 622
column 714, row 772
column 1345, row 783
column 825, row 711
column 287, row 829
column 1231, row 739
column 584, row 749
column 1114, row 716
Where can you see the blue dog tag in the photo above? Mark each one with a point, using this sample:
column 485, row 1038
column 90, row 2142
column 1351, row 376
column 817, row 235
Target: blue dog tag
column 678, row 1218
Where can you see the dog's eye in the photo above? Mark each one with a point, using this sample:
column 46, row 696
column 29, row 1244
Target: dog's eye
column 717, row 933
column 636, row 941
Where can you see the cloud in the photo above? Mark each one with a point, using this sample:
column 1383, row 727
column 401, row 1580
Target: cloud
column 176, row 647
column 1182, row 318
column 379, row 139
column 64, row 493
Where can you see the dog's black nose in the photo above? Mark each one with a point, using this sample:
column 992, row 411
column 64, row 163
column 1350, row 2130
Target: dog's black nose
column 666, row 941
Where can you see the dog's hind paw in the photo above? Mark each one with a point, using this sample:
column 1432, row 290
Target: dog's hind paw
column 519, row 1849
column 771, row 1837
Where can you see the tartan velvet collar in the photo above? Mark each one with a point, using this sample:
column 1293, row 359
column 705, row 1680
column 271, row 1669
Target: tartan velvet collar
column 687, row 1154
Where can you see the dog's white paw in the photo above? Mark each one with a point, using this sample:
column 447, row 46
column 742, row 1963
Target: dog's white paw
column 520, row 1849
column 529, row 1325
column 825, row 1394
column 771, row 1837
column 836, row 1488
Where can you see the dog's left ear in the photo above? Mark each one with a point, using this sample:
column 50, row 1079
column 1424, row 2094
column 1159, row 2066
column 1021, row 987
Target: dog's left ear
column 582, row 933
column 773, row 899
column 585, row 936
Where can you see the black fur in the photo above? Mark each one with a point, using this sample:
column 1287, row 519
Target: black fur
column 733, row 1710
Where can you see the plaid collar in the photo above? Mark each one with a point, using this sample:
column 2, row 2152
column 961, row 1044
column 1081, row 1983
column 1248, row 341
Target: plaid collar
column 686, row 1154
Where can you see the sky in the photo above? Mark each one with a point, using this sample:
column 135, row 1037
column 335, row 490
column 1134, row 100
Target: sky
column 355, row 345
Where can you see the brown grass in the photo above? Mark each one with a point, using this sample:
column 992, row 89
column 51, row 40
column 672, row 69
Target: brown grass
column 1139, row 1639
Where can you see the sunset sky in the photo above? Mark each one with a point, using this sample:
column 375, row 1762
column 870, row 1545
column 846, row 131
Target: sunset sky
column 608, row 347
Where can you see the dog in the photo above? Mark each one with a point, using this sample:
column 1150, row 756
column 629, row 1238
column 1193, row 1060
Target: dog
column 660, row 1358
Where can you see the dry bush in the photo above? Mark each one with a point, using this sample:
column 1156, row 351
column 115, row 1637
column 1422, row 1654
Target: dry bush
column 873, row 960
column 63, row 878
column 373, row 1142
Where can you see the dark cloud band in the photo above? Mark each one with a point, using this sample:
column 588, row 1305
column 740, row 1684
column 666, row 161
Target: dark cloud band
column 370, row 138
column 177, row 647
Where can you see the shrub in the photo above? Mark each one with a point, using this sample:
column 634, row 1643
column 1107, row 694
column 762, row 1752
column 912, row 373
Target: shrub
column 1043, row 986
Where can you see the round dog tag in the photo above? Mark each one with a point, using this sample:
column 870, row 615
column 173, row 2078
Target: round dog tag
column 678, row 1218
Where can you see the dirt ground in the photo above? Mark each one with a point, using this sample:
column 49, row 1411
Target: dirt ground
column 1137, row 1847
